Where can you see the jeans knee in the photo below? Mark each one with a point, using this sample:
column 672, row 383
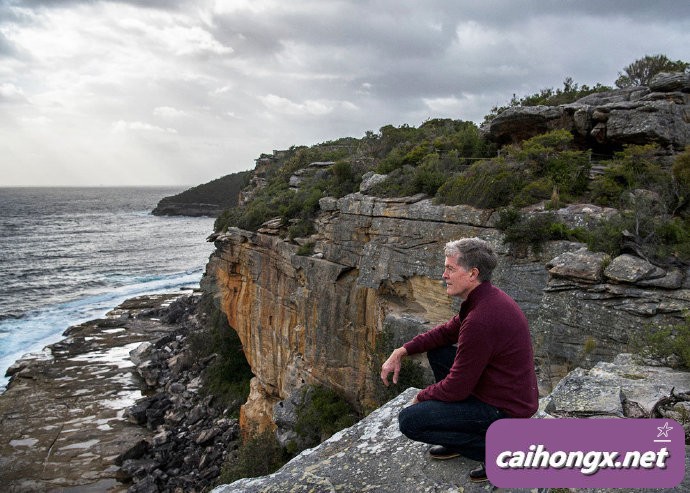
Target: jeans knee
column 407, row 422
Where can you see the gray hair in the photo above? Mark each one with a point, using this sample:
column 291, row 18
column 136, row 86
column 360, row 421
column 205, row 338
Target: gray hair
column 473, row 252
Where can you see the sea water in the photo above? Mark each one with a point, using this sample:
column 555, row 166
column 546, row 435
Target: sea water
column 69, row 255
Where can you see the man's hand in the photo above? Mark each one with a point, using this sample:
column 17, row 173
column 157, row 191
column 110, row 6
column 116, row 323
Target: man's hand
column 393, row 364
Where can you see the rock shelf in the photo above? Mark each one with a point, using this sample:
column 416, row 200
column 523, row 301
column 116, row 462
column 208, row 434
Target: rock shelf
column 65, row 419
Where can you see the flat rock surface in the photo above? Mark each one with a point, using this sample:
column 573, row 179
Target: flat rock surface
column 371, row 456
column 61, row 418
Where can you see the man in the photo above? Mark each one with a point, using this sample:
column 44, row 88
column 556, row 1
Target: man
column 482, row 361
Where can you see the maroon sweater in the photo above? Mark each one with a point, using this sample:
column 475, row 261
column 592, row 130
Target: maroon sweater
column 494, row 361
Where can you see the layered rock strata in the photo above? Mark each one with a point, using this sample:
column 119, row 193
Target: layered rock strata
column 376, row 268
column 637, row 115
column 593, row 306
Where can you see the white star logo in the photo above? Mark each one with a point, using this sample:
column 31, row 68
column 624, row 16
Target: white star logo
column 663, row 430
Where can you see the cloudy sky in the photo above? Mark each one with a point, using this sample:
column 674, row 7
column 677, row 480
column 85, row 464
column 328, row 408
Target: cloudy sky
column 155, row 92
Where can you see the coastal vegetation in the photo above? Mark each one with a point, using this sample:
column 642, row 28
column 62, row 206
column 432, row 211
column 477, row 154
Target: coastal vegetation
column 450, row 161
column 549, row 169
column 670, row 344
column 227, row 377
column 321, row 413
column 215, row 195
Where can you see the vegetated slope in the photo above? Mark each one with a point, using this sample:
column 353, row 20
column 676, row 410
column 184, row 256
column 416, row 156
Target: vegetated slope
column 208, row 199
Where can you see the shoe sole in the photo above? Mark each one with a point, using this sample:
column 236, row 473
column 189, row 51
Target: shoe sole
column 444, row 457
column 479, row 480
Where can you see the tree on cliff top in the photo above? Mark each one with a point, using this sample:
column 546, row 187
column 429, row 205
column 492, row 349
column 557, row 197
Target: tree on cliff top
column 640, row 72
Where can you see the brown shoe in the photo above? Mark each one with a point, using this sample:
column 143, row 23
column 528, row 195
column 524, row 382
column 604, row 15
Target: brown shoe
column 478, row 475
column 440, row 452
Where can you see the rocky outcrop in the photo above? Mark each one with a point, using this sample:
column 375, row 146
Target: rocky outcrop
column 593, row 305
column 315, row 319
column 376, row 269
column 373, row 456
column 626, row 387
column 659, row 113
column 191, row 437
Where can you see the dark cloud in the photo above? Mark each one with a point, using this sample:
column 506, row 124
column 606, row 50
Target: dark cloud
column 229, row 80
column 154, row 4
column 7, row 48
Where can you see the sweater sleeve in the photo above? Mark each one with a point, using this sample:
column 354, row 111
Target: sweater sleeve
column 445, row 334
column 475, row 347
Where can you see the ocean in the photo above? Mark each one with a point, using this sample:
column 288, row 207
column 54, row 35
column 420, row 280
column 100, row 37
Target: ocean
column 69, row 255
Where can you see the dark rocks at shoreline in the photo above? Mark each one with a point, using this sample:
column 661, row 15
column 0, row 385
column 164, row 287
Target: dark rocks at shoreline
column 192, row 436
column 115, row 406
column 62, row 415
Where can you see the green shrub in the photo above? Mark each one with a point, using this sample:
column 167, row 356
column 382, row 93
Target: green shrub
column 322, row 413
column 306, row 249
column 634, row 167
column 548, row 158
column 411, row 372
column 301, row 229
column 534, row 192
column 673, row 239
column 486, row 184
column 523, row 231
column 227, row 377
column 570, row 171
column 607, row 235
column 257, row 456
column 665, row 343
column 399, row 183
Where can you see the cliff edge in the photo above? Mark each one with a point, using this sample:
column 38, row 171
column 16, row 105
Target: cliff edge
column 373, row 455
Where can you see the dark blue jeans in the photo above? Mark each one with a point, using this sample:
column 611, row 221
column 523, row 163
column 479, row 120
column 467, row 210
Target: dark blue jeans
column 459, row 426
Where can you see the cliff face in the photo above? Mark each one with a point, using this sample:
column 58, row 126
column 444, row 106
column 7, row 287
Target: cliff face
column 315, row 319
column 378, row 264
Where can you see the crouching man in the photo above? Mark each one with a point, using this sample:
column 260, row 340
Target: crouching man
column 482, row 361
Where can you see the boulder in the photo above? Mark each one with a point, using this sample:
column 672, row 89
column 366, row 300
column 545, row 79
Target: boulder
column 669, row 82
column 636, row 115
column 631, row 269
column 625, row 387
column 582, row 265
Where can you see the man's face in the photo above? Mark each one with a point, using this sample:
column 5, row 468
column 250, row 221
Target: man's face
column 459, row 282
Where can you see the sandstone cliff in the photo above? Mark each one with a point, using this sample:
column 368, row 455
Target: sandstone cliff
column 377, row 267
column 375, row 264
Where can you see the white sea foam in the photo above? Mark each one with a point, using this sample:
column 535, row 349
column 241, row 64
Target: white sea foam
column 72, row 255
